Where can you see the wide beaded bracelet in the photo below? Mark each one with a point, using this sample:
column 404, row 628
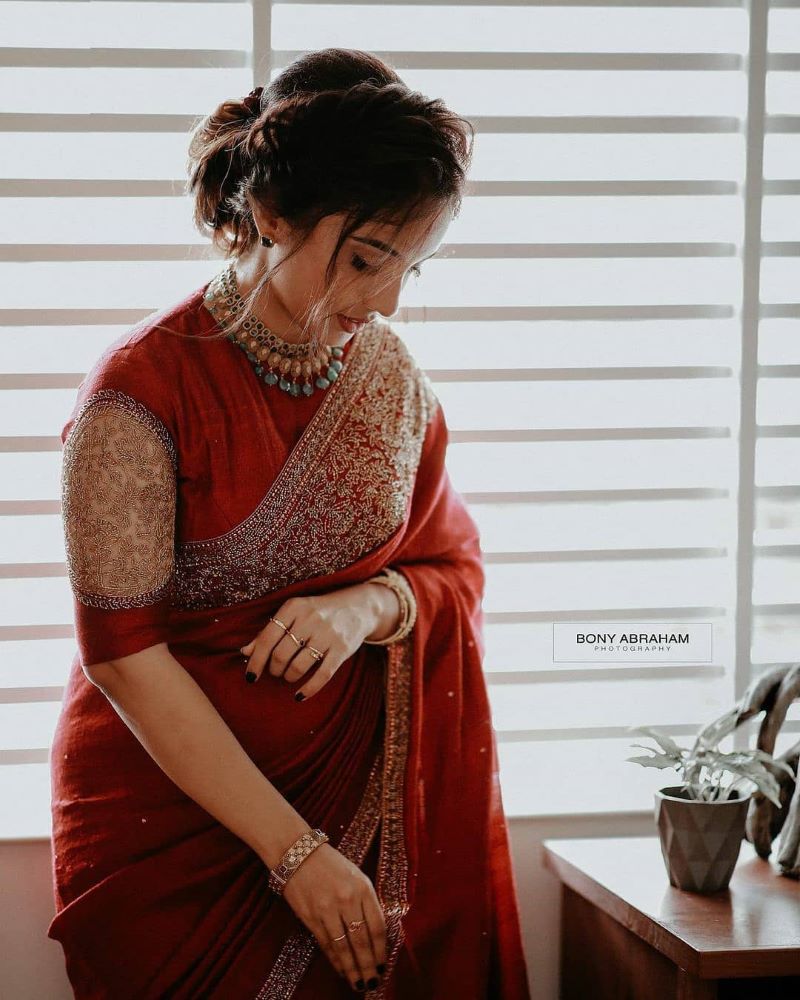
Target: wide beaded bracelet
column 294, row 857
column 408, row 605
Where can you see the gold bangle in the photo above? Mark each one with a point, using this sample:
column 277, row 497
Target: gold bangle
column 294, row 857
column 408, row 605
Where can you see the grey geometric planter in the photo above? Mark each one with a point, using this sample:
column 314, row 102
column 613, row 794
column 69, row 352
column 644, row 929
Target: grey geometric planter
column 700, row 841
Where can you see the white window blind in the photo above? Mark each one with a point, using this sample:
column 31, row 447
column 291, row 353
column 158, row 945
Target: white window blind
column 615, row 347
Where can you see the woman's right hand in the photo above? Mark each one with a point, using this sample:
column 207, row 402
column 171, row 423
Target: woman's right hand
column 326, row 892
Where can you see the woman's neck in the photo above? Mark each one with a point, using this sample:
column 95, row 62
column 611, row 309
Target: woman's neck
column 266, row 307
column 270, row 311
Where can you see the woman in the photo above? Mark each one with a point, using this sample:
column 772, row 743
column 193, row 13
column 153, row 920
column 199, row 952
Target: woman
column 282, row 515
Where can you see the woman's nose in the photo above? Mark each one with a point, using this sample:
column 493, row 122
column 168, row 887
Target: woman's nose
column 387, row 300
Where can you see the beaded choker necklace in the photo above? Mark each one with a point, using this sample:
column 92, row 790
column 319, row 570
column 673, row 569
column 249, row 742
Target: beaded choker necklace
column 274, row 360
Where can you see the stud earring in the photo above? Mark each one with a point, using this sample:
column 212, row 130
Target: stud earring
column 267, row 242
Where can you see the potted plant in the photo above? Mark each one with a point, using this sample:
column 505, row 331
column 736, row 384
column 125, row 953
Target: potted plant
column 701, row 821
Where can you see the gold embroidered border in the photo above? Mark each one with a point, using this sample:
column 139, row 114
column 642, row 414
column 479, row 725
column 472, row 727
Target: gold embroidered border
column 344, row 489
column 297, row 952
column 391, row 885
column 383, row 795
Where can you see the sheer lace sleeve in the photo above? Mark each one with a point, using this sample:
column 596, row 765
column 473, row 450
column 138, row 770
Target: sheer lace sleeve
column 118, row 491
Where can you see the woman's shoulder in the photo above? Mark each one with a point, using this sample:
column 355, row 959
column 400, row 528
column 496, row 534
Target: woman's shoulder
column 143, row 370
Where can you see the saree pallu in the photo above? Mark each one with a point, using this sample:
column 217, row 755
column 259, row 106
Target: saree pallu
column 394, row 758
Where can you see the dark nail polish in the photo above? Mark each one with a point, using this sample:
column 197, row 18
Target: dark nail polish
column 299, row 696
column 372, row 983
column 249, row 676
column 381, row 969
column 360, row 984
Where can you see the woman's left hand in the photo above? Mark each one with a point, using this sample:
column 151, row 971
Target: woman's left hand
column 336, row 624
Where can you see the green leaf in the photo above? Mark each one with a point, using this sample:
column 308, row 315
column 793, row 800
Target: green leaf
column 717, row 730
column 750, row 762
column 667, row 744
column 769, row 788
column 660, row 761
column 753, row 771
column 771, row 761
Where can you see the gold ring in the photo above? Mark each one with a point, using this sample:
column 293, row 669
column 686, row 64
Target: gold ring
column 340, row 938
column 279, row 622
column 300, row 642
column 355, row 924
column 316, row 653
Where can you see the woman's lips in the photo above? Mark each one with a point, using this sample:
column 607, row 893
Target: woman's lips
column 351, row 325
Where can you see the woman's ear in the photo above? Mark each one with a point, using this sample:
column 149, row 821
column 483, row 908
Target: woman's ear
column 266, row 221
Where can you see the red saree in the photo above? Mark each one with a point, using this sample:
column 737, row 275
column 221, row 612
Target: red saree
column 272, row 496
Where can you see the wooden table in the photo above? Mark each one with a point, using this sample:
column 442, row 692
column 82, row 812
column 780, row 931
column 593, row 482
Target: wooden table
column 627, row 934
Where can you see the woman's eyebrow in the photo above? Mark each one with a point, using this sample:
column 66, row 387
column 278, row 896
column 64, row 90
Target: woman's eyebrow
column 377, row 243
column 385, row 246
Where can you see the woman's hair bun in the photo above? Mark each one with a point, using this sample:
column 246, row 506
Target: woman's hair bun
column 337, row 131
column 252, row 103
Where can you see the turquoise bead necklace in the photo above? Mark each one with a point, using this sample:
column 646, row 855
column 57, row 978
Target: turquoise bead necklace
column 275, row 361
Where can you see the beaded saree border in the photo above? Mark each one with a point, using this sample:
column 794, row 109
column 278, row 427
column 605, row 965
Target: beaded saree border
column 331, row 413
column 299, row 949
column 391, row 884
column 383, row 796
column 344, row 488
